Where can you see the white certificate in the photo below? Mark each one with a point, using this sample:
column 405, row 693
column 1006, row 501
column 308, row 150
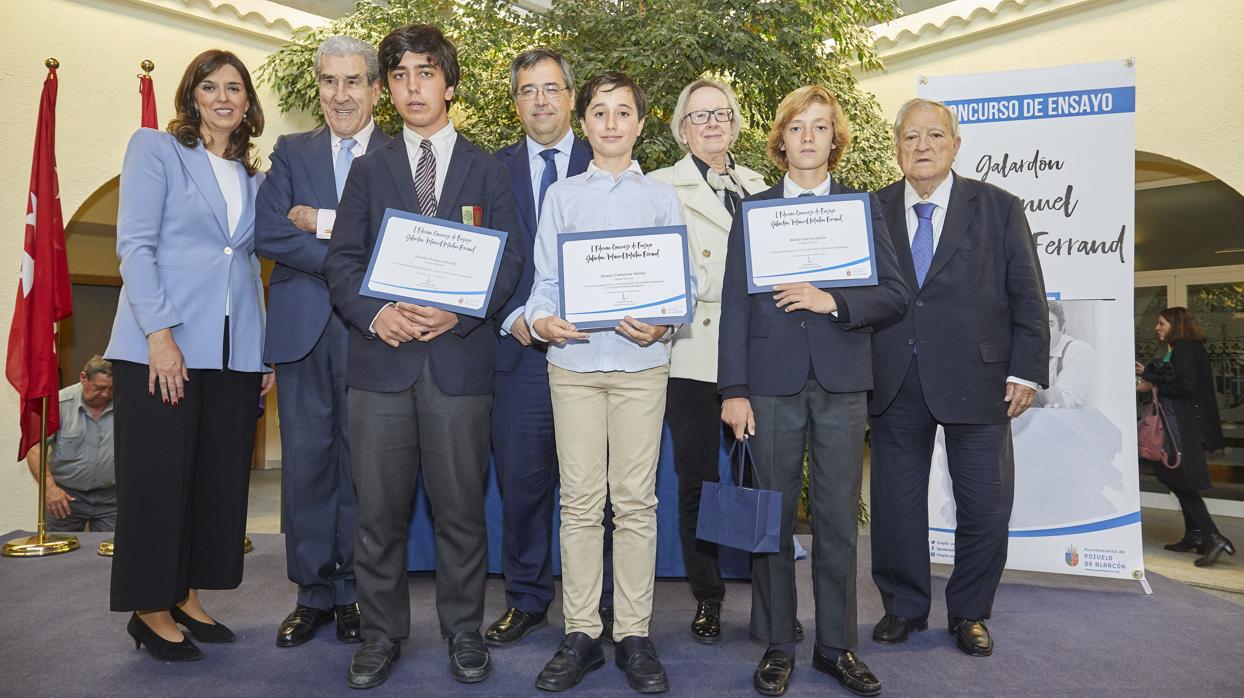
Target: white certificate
column 432, row 261
column 824, row 240
column 608, row 275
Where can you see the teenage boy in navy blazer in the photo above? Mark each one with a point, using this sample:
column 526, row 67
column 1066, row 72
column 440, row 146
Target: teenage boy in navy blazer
column 420, row 378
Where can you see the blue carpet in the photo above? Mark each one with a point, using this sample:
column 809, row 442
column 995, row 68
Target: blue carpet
column 1055, row 636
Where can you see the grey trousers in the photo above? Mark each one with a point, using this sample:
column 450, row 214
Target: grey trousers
column 833, row 426
column 394, row 436
column 96, row 507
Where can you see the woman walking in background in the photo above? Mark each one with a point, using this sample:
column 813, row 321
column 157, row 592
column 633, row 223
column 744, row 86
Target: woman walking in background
column 1183, row 375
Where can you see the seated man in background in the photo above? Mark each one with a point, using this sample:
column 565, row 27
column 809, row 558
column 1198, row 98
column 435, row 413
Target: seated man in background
column 81, row 484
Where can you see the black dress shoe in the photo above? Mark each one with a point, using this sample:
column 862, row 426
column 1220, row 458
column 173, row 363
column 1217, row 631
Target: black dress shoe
column 891, row 630
column 606, row 623
column 1215, row 545
column 798, row 631
column 203, row 632
column 372, row 663
column 576, row 656
column 158, row 647
column 851, row 671
column 706, row 626
column 637, row 657
column 512, row 626
column 300, row 625
column 1192, row 540
column 972, row 637
column 468, row 657
column 772, row 675
column 348, row 622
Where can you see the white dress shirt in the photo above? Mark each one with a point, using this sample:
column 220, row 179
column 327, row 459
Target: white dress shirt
column 442, row 146
column 791, row 190
column 326, row 217
column 229, row 179
column 596, row 200
column 940, row 198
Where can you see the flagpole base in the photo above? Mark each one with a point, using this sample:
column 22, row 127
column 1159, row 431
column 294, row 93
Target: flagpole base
column 247, row 545
column 36, row 546
column 105, row 548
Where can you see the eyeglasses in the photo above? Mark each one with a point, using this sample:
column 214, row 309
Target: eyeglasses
column 550, row 90
column 699, row 118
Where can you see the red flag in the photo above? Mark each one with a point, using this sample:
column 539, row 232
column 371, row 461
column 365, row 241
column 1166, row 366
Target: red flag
column 43, row 293
column 146, row 88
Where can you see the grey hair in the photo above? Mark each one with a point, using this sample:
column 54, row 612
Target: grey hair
column 97, row 365
column 341, row 45
column 680, row 109
column 917, row 102
column 531, row 58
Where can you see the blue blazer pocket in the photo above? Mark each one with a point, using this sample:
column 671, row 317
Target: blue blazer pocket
column 995, row 352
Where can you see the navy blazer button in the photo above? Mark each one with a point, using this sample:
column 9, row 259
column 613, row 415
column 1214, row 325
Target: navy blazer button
column 803, row 324
column 228, row 250
column 911, row 341
column 919, row 303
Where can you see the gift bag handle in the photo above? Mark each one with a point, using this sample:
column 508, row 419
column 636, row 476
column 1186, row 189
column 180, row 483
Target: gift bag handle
column 745, row 454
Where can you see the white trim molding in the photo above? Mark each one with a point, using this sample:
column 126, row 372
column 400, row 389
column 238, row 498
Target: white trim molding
column 260, row 18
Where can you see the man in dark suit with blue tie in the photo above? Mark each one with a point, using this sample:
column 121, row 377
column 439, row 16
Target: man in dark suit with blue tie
column 296, row 207
column 543, row 87
column 968, row 355
column 420, row 377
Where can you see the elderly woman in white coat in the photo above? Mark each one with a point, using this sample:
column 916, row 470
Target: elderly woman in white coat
column 710, row 185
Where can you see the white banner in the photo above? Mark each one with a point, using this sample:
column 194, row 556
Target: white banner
column 1063, row 140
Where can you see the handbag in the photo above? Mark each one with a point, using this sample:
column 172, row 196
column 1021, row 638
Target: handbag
column 740, row 517
column 1152, row 432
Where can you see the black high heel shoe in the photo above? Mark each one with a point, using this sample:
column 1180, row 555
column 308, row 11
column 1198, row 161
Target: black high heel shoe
column 203, row 632
column 1215, row 545
column 158, row 647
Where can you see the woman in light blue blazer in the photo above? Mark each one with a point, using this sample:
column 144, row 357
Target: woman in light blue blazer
column 186, row 347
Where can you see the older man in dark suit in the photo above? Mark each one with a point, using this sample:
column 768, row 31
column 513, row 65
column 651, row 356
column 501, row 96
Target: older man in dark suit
column 523, row 446
column 968, row 355
column 421, row 378
column 295, row 212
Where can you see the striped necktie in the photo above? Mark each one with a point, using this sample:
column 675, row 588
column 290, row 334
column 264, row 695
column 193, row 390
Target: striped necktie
column 425, row 178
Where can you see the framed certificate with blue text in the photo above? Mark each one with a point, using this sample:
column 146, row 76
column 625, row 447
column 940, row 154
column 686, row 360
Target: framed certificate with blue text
column 826, row 241
column 435, row 262
column 641, row 272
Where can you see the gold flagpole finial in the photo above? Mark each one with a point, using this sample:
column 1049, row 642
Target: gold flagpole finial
column 147, row 66
column 52, row 64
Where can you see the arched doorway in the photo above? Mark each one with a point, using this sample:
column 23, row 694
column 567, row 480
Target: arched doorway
column 1189, row 252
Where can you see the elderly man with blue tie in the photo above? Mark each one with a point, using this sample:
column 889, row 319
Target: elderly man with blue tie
column 306, row 339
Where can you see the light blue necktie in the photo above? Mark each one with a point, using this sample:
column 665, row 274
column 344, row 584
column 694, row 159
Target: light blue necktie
column 341, row 168
column 547, row 177
column 922, row 243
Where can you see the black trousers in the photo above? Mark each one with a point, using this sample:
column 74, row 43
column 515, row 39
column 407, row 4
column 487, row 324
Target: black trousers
column 693, row 412
column 182, row 477
column 1196, row 515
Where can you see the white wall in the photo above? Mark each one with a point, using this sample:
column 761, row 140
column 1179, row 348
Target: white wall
column 1189, row 62
column 100, row 44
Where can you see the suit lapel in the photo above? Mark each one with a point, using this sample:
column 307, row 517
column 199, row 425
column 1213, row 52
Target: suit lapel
column 896, row 215
column 580, row 156
column 459, row 166
column 398, row 162
column 317, row 158
column 702, row 199
column 520, row 183
column 959, row 212
column 200, row 169
column 246, row 221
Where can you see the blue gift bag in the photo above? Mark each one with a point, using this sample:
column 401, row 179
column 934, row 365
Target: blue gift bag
column 740, row 517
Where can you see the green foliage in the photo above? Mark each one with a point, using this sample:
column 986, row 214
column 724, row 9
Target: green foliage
column 763, row 49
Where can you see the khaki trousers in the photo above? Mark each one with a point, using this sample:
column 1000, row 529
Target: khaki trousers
column 608, row 426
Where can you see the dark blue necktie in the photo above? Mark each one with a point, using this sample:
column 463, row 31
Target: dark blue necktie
column 806, row 193
column 547, row 177
column 922, row 243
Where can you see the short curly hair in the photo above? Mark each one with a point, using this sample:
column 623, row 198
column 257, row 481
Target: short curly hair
column 795, row 104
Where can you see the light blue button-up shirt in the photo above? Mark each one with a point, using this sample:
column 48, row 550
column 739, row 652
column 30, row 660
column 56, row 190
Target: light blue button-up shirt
column 596, row 200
